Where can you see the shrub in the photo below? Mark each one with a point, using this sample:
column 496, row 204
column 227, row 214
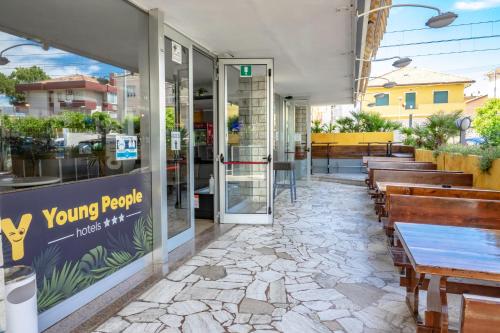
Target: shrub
column 487, row 121
column 366, row 122
column 487, row 154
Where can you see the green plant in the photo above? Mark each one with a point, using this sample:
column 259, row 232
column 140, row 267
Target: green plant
column 316, row 126
column 20, row 75
column 366, row 122
column 434, row 132
column 328, row 128
column 487, row 154
column 441, row 127
column 487, row 121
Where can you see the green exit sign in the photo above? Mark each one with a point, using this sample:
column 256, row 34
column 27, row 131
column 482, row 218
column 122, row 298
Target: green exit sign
column 246, row 71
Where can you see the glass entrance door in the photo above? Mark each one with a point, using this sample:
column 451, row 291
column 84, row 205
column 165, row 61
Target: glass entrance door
column 245, row 151
column 178, row 115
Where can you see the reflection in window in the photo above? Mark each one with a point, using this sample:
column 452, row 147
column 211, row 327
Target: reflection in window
column 62, row 115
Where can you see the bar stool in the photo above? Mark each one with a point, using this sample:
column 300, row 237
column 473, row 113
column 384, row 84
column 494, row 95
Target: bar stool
column 289, row 168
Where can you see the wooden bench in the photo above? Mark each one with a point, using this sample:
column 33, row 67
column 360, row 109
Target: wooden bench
column 442, row 211
column 456, row 178
column 480, row 314
column 435, row 191
column 366, row 159
column 405, row 165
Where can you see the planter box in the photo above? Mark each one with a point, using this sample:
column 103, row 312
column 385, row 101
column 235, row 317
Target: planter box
column 467, row 164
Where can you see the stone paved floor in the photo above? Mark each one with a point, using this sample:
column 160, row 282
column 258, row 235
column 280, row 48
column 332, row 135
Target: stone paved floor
column 322, row 267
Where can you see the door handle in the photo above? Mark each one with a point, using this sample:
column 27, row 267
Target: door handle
column 221, row 158
column 268, row 158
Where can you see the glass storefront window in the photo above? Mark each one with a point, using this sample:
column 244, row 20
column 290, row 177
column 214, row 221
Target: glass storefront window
column 65, row 117
column 75, row 186
column 177, row 136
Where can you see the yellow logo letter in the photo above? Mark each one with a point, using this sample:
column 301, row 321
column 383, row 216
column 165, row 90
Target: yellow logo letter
column 16, row 235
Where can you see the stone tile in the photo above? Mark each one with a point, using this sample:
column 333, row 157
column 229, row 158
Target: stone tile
column 249, row 305
column 163, row 291
column 211, row 272
column 317, row 295
column 257, row 290
column 112, row 325
column 277, row 292
column 146, row 316
column 360, row 293
column 239, row 328
column 201, row 322
column 171, row 320
column 231, row 296
column 269, row 276
column 136, row 307
column 181, row 273
column 294, row 322
column 197, row 294
column 143, row 328
column 351, row 325
column 187, row 307
column 333, row 314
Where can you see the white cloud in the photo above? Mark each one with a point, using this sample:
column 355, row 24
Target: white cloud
column 477, row 4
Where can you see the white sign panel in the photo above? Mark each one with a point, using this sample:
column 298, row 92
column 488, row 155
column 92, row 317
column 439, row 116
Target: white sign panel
column 176, row 140
column 176, row 52
column 126, row 147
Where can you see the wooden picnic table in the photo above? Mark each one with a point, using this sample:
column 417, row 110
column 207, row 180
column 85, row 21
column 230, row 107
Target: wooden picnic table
column 382, row 186
column 443, row 252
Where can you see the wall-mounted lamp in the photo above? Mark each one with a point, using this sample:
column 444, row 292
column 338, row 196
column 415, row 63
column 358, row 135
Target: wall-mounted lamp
column 400, row 63
column 438, row 21
column 4, row 60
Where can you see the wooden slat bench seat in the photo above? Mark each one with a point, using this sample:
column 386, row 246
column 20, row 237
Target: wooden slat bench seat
column 476, row 213
column 366, row 159
column 480, row 314
column 419, row 177
column 401, row 165
column 452, row 192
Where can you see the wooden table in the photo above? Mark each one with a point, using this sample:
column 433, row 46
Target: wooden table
column 21, row 182
column 382, row 186
column 442, row 252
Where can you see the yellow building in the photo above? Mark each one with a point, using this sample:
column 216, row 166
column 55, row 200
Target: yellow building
column 418, row 93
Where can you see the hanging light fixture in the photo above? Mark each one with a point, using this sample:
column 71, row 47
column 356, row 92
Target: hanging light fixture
column 4, row 60
column 438, row 21
column 389, row 84
column 400, row 63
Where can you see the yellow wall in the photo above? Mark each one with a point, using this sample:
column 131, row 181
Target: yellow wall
column 351, row 138
column 424, row 100
column 467, row 164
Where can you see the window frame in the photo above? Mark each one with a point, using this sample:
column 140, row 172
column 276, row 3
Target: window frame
column 415, row 101
column 440, row 91
column 388, row 100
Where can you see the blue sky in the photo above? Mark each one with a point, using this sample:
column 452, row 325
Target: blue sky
column 473, row 65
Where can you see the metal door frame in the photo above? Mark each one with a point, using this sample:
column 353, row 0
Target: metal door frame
column 222, row 131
